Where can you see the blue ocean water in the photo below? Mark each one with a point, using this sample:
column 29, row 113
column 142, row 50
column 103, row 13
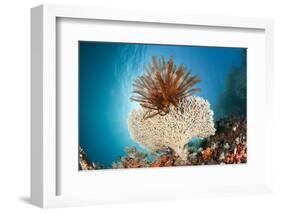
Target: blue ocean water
column 106, row 72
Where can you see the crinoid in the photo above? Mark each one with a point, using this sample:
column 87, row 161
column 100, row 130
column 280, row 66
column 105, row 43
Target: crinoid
column 163, row 84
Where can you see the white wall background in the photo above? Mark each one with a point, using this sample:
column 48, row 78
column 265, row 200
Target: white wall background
column 15, row 104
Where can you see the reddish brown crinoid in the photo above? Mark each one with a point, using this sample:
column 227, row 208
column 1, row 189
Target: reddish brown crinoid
column 163, row 84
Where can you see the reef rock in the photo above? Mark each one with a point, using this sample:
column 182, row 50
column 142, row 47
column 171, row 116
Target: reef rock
column 191, row 118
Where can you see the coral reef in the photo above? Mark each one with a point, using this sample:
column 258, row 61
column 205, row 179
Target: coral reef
column 133, row 159
column 227, row 146
column 163, row 85
column 169, row 115
column 177, row 127
column 191, row 118
column 85, row 164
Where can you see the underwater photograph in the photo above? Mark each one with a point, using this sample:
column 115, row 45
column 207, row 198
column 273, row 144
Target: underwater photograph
column 152, row 105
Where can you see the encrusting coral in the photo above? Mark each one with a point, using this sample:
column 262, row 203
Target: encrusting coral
column 191, row 118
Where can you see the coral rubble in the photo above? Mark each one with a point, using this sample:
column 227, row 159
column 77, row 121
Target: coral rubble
column 191, row 118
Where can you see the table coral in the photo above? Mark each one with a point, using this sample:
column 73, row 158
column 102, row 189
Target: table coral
column 191, row 118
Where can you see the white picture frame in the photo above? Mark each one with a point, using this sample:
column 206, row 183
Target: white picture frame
column 44, row 150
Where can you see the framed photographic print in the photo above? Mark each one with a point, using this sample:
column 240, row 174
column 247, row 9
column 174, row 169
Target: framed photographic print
column 130, row 106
